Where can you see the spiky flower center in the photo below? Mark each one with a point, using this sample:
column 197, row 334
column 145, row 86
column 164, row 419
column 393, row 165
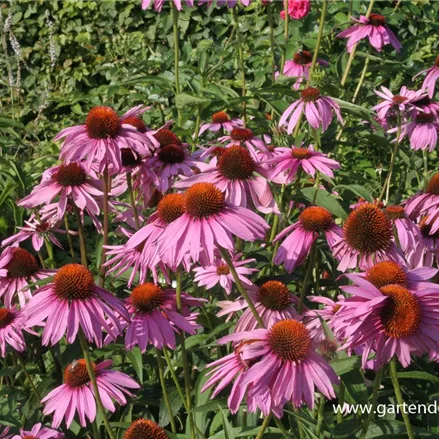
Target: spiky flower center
column 401, row 314
column 28, row 437
column 335, row 308
column 220, row 117
column 386, row 273
column 145, row 429
column 167, row 137
column 130, row 157
column 74, row 282
column 426, row 228
column 290, row 340
column 171, row 207
column 433, row 185
column 222, row 270
column 102, row 123
column 155, row 199
column 203, row 200
column 236, row 163
column 377, row 20
column 147, row 297
column 171, row 154
column 303, row 57
column 72, row 174
column 6, row 317
column 395, row 212
column 42, row 227
column 23, row 264
column 217, row 151
column 316, row 219
column 76, row 375
column 424, row 118
column 136, row 122
column 274, row 295
column 368, row 229
column 310, row 94
column 241, row 134
column 398, row 99
column 301, row 153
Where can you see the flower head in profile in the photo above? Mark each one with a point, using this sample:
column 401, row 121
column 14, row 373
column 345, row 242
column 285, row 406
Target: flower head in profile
column 374, row 28
column 316, row 108
column 290, row 161
column 100, row 140
column 284, row 366
column 245, row 138
column 76, row 394
column 421, row 131
column 221, row 121
column 145, row 429
column 273, row 300
column 300, row 236
column 71, row 183
column 432, row 74
column 208, row 222
column 367, row 239
column 73, row 300
column 240, row 177
column 404, row 229
column 38, row 431
column 297, row 9
column 219, row 273
column 299, row 66
column 155, row 318
column 18, row 269
column 388, row 321
column 12, row 325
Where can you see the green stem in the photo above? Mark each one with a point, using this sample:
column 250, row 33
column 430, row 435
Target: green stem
column 284, row 51
column 49, row 249
column 174, row 377
column 240, row 63
column 360, row 82
column 29, row 378
column 91, row 374
column 319, row 37
column 308, row 275
column 165, row 390
column 376, row 388
column 186, row 371
column 264, row 426
column 133, row 200
column 102, row 269
column 272, row 43
column 176, row 56
column 225, row 255
column 69, row 238
column 425, row 156
column 320, row 416
column 399, row 398
column 297, row 128
column 81, row 234
column 354, row 50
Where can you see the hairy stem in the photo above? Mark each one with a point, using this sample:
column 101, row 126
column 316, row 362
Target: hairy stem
column 69, row 238
column 264, row 426
column 319, row 37
column 165, row 390
column 133, row 200
column 81, row 234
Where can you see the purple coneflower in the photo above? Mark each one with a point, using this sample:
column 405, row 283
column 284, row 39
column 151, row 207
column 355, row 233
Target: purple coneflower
column 244, row 137
column 12, row 324
column 71, row 300
column 430, row 79
column 240, row 177
column 145, row 429
column 5, row 433
column 38, row 431
column 221, row 121
column 367, row 239
column 299, row 66
column 101, row 139
column 405, row 229
column 18, row 268
column 391, row 320
column 76, row 394
column 219, row 272
column 375, row 29
column 291, row 160
column 155, row 318
column 313, row 221
column 70, row 182
column 316, row 108
column 273, row 300
column 208, row 222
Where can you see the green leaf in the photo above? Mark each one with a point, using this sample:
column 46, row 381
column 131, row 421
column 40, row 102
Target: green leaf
column 135, row 357
column 345, row 365
column 324, row 199
column 417, row 375
column 228, row 429
column 357, row 189
column 186, row 100
column 354, row 109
